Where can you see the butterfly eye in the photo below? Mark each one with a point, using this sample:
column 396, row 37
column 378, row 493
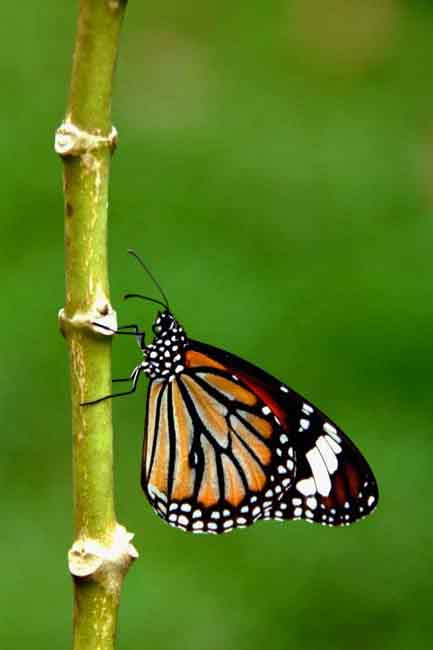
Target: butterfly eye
column 157, row 329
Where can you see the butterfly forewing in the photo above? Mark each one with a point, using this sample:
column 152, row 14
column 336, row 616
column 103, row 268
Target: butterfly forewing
column 333, row 484
column 227, row 444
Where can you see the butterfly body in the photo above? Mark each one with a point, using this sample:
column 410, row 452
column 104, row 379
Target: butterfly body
column 227, row 444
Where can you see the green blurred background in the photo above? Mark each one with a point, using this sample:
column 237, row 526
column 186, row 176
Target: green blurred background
column 275, row 169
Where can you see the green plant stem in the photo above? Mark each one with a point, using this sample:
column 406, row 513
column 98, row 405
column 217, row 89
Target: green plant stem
column 101, row 552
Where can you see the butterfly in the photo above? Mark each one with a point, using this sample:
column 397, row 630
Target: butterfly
column 227, row 444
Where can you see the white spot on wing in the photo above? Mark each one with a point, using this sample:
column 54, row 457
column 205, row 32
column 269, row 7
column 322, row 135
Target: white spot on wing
column 327, row 454
column 307, row 486
column 320, row 473
column 334, row 445
column 329, row 428
column 312, row 503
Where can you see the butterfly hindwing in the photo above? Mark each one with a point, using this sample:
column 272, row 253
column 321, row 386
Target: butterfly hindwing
column 215, row 456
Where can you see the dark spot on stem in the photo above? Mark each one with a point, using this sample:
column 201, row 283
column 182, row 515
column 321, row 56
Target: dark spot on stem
column 104, row 310
column 69, row 209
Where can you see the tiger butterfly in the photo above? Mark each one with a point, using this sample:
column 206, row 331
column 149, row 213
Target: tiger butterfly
column 227, row 444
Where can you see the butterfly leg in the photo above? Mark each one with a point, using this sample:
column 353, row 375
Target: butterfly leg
column 128, row 327
column 135, row 376
column 136, row 332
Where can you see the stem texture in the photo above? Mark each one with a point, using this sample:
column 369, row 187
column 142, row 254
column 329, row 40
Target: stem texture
column 101, row 553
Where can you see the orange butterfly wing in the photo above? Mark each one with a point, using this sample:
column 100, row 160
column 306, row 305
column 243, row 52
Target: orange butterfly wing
column 211, row 459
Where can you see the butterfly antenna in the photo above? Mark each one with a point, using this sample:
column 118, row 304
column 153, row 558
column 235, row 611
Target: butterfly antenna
column 139, row 295
column 152, row 277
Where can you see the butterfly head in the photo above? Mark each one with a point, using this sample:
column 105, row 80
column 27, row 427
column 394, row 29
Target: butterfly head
column 164, row 322
column 165, row 355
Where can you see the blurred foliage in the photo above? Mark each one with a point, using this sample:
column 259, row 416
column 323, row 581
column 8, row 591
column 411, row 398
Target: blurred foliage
column 275, row 169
